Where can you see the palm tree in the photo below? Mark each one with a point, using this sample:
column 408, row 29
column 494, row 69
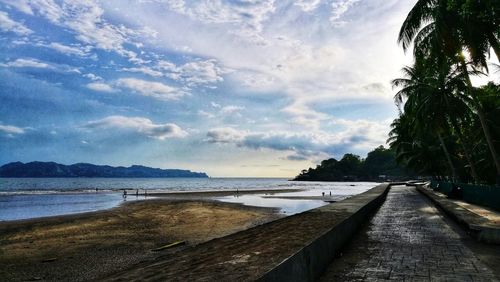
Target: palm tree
column 489, row 96
column 417, row 149
column 440, row 30
column 457, row 25
column 479, row 27
column 431, row 95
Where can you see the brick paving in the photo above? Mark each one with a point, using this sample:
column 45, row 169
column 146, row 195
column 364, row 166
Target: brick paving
column 408, row 240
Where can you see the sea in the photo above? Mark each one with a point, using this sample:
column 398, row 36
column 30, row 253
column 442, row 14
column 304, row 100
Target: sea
column 26, row 198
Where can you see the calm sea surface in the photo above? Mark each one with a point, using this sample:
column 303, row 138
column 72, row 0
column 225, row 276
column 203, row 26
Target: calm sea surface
column 23, row 198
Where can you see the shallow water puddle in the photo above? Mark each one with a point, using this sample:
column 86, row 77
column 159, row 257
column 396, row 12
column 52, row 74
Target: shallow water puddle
column 286, row 206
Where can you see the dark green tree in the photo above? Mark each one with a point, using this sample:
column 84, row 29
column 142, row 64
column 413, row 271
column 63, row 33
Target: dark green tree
column 441, row 30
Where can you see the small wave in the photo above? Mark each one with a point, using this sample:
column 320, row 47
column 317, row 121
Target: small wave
column 52, row 192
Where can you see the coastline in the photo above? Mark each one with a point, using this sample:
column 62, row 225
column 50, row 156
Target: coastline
column 219, row 193
column 90, row 245
column 25, row 205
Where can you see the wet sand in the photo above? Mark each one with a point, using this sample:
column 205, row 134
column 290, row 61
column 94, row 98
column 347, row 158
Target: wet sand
column 92, row 245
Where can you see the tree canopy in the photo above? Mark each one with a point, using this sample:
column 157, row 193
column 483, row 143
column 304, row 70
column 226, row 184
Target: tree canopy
column 379, row 162
column 447, row 128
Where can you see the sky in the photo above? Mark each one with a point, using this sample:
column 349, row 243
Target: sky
column 231, row 88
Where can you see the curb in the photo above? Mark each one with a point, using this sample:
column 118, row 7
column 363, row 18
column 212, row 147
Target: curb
column 475, row 225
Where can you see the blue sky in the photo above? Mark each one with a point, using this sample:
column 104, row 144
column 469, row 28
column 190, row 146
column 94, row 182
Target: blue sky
column 231, row 88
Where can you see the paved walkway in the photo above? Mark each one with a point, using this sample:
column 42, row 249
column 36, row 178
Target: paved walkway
column 408, row 240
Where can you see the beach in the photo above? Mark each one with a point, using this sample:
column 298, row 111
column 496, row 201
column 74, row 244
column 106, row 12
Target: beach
column 92, row 245
column 46, row 236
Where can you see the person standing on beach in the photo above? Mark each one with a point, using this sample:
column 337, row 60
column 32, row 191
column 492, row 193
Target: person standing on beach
column 124, row 194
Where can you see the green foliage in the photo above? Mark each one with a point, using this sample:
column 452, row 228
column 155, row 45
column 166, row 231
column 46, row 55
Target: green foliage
column 380, row 161
column 447, row 128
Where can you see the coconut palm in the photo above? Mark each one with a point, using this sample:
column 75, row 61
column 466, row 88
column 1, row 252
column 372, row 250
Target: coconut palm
column 416, row 149
column 479, row 27
column 441, row 29
column 457, row 25
column 432, row 95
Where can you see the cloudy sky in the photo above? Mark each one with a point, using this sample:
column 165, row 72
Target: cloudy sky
column 231, row 88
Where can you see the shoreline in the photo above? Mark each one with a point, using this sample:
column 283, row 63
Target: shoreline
column 90, row 245
column 203, row 195
column 96, row 244
column 221, row 193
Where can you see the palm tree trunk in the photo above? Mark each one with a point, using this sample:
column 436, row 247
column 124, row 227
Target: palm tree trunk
column 484, row 124
column 468, row 157
column 489, row 139
column 448, row 158
column 462, row 143
column 495, row 45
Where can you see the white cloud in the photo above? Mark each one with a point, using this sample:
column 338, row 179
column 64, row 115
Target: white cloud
column 246, row 17
column 85, row 19
column 10, row 129
column 305, row 61
column 22, row 6
column 308, row 5
column 47, row 8
column 358, row 135
column 225, row 135
column 101, row 87
column 303, row 114
column 153, row 89
column 68, row 50
column 9, row 25
column 223, row 111
column 37, row 64
column 144, row 70
column 231, row 109
column 28, row 63
column 166, row 65
column 199, row 72
column 92, row 76
column 139, row 125
column 339, row 8
column 205, row 114
column 194, row 73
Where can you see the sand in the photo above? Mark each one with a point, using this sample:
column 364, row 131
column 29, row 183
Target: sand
column 93, row 245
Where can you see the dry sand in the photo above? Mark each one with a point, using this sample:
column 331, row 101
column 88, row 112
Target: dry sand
column 93, row 245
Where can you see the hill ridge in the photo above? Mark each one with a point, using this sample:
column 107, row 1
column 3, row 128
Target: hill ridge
column 53, row 169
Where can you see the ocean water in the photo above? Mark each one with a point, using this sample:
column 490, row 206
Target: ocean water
column 24, row 198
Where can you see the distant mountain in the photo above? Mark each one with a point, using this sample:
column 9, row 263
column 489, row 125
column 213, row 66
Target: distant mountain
column 52, row 169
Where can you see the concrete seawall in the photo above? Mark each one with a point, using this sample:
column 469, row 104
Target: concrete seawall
column 309, row 262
